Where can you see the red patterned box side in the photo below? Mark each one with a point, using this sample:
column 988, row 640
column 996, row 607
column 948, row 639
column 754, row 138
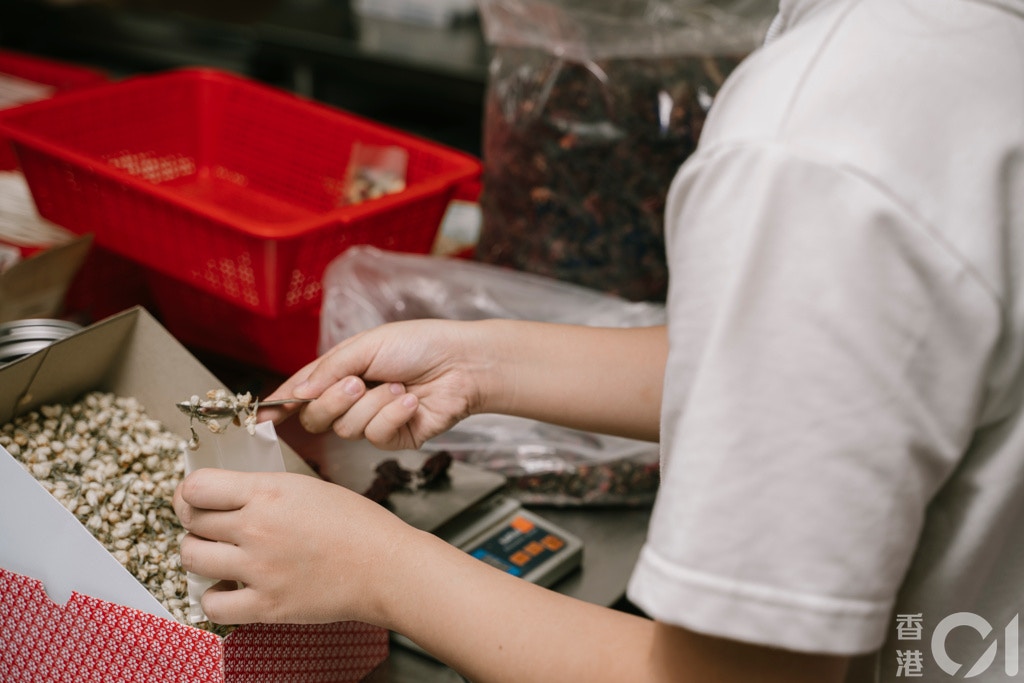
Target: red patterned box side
column 93, row 641
column 116, row 643
column 311, row 653
column 30, row 642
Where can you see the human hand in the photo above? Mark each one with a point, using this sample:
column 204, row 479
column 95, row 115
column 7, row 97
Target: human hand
column 396, row 385
column 305, row 550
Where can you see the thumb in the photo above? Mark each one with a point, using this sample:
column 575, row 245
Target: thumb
column 349, row 358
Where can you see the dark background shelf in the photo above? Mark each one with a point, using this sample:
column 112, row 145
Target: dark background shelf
column 423, row 79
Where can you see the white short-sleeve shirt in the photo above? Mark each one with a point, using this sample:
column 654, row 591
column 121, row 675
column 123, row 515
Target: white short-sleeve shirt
column 842, row 423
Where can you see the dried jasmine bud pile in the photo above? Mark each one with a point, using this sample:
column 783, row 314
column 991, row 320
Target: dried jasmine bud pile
column 115, row 468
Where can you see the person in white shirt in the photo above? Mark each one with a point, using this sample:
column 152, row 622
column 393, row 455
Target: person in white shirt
column 838, row 396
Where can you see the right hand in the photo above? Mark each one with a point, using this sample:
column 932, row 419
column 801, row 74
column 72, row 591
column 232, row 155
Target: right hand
column 396, row 385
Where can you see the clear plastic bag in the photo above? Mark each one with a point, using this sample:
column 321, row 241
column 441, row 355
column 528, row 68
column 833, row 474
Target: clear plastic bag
column 544, row 464
column 550, row 465
column 590, row 110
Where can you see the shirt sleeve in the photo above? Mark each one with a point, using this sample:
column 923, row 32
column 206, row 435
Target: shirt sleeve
column 825, row 371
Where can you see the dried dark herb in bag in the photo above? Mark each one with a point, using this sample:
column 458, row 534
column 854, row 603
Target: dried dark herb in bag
column 545, row 464
column 590, row 110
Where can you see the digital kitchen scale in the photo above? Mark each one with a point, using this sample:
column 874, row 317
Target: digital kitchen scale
column 502, row 533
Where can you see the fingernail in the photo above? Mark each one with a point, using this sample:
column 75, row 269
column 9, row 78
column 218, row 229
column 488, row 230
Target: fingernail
column 396, row 388
column 409, row 400
column 352, row 386
column 301, row 388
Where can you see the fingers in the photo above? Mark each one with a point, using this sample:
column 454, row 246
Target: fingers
column 287, row 390
column 213, row 559
column 313, row 381
column 214, row 489
column 226, row 603
column 208, row 503
column 377, row 416
column 355, row 412
column 344, row 402
column 354, row 418
column 388, row 428
column 318, row 415
column 336, row 400
column 214, row 525
column 350, row 358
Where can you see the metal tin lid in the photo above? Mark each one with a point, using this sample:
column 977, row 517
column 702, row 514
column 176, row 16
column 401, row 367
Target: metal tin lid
column 20, row 338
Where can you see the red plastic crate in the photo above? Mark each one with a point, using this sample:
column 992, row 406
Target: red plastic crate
column 226, row 185
column 58, row 76
column 281, row 343
column 106, row 284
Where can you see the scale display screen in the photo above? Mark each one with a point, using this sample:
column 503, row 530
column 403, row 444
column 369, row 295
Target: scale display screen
column 519, row 547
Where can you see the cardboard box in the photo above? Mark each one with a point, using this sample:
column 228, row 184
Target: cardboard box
column 36, row 286
column 57, row 272
column 68, row 610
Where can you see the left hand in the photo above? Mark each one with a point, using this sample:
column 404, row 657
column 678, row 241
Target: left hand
column 305, row 550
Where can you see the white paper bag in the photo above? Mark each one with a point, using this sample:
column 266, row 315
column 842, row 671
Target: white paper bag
column 232, row 449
